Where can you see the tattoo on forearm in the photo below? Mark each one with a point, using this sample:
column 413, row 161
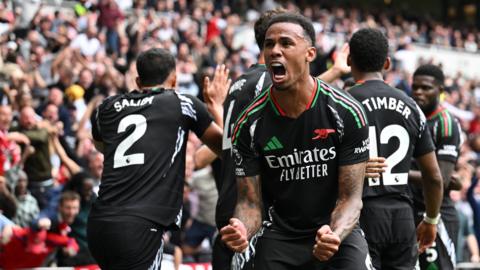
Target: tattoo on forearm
column 249, row 203
column 350, row 187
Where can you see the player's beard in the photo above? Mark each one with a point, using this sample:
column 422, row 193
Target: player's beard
column 428, row 109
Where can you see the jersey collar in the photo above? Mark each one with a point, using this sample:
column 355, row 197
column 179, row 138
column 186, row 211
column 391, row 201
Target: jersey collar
column 279, row 109
column 435, row 112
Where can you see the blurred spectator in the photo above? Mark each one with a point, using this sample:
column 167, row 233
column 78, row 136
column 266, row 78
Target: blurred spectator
column 32, row 246
column 37, row 166
column 110, row 18
column 87, row 43
column 9, row 150
column 95, row 168
column 8, row 205
column 27, row 206
column 81, row 183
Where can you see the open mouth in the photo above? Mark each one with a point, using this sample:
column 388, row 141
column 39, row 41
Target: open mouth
column 278, row 71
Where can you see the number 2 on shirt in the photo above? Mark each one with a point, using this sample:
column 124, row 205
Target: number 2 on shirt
column 396, row 157
column 120, row 159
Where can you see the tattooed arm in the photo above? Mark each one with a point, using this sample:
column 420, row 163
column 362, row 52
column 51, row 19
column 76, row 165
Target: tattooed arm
column 346, row 213
column 350, row 188
column 248, row 214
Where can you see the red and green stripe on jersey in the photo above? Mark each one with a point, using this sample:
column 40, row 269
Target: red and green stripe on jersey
column 345, row 101
column 257, row 104
column 445, row 120
column 337, row 96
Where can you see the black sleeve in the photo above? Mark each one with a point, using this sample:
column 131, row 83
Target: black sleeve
column 448, row 139
column 247, row 158
column 196, row 113
column 424, row 143
column 355, row 142
column 95, row 121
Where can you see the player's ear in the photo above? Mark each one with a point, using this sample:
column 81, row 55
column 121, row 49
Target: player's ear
column 387, row 64
column 311, row 54
column 171, row 81
column 441, row 89
column 349, row 60
column 138, row 82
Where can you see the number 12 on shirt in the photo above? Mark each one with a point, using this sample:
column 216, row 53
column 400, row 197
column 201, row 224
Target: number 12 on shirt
column 387, row 133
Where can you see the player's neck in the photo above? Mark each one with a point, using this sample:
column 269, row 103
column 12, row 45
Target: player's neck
column 261, row 58
column 367, row 76
column 294, row 101
column 154, row 87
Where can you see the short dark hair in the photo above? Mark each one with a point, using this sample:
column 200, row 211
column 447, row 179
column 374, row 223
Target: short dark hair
column 154, row 66
column 261, row 25
column 304, row 22
column 68, row 196
column 430, row 70
column 368, row 50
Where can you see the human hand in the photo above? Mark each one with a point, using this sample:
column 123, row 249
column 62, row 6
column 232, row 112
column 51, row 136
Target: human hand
column 375, row 166
column 215, row 91
column 340, row 61
column 326, row 243
column 235, row 236
column 426, row 234
column 44, row 223
column 19, row 138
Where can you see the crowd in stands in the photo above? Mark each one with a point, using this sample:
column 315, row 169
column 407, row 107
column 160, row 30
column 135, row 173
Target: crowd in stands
column 57, row 64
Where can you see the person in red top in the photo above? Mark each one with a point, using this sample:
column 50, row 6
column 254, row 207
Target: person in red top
column 110, row 16
column 30, row 247
column 9, row 149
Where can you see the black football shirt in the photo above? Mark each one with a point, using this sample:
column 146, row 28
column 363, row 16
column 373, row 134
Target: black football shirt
column 145, row 136
column 445, row 131
column 298, row 159
column 398, row 132
column 241, row 93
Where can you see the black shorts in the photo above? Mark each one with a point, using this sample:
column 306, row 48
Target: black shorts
column 125, row 244
column 390, row 232
column 224, row 258
column 297, row 254
column 221, row 255
column 442, row 254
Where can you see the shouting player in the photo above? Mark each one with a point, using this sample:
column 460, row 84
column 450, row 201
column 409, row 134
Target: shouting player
column 301, row 148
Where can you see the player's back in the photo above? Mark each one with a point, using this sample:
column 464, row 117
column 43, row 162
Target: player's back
column 240, row 94
column 144, row 137
column 397, row 132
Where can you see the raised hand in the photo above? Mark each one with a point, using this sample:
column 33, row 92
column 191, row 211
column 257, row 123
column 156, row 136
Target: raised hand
column 340, row 61
column 215, row 91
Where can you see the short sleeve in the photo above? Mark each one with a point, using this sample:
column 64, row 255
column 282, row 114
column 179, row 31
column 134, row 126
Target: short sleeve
column 246, row 157
column 447, row 138
column 354, row 144
column 196, row 113
column 424, row 143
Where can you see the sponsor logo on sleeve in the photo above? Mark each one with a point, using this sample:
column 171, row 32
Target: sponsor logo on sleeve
column 448, row 150
column 322, row 133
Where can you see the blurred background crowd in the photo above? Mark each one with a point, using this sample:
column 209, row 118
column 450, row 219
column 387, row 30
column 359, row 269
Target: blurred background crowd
column 60, row 59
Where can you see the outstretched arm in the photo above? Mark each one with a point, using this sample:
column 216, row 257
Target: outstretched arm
column 339, row 67
column 215, row 91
